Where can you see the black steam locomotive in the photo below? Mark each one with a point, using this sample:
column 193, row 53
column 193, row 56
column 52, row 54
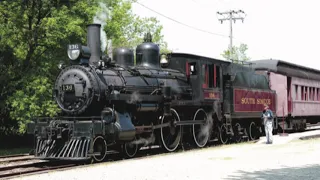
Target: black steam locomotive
column 114, row 105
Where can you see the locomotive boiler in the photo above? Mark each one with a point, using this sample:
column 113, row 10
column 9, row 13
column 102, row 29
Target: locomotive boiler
column 111, row 105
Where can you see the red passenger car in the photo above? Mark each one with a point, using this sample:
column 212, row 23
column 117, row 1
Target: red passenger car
column 298, row 92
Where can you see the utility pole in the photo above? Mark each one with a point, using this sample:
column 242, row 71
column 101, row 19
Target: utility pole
column 230, row 15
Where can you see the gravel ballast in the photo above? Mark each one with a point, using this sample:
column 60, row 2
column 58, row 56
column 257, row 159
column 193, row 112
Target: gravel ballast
column 291, row 160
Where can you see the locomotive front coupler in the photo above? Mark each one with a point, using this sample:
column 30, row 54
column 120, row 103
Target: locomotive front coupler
column 56, row 133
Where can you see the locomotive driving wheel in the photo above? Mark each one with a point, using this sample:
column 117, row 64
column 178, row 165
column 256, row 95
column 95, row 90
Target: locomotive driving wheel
column 170, row 135
column 223, row 136
column 201, row 132
column 253, row 131
column 130, row 149
column 99, row 146
column 237, row 130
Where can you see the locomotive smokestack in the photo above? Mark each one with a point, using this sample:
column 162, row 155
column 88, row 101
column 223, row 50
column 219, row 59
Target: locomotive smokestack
column 93, row 41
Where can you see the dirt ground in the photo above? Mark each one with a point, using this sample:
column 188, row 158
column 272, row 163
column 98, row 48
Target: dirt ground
column 292, row 160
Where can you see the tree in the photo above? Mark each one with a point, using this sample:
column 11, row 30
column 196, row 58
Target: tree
column 126, row 29
column 33, row 41
column 237, row 54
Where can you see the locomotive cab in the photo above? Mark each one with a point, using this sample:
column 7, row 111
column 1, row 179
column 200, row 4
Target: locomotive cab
column 204, row 75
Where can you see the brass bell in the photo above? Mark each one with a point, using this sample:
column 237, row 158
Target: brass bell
column 164, row 60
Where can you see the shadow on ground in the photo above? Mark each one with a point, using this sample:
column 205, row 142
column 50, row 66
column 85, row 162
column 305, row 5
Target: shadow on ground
column 310, row 172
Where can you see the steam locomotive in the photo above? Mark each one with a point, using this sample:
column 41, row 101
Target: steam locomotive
column 114, row 105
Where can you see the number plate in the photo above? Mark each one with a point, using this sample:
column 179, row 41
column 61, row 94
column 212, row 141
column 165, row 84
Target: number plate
column 67, row 88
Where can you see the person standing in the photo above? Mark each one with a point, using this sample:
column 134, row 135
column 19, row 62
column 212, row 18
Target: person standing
column 267, row 117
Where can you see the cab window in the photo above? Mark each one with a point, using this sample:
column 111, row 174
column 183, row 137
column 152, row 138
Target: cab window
column 210, row 74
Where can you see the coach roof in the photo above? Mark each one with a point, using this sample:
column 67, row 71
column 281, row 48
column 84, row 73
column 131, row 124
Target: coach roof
column 286, row 68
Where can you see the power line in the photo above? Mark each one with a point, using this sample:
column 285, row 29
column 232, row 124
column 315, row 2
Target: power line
column 230, row 16
column 203, row 5
column 181, row 22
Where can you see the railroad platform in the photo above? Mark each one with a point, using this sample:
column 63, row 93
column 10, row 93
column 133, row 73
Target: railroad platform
column 277, row 139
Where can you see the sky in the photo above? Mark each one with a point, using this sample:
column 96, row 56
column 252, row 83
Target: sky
column 279, row 29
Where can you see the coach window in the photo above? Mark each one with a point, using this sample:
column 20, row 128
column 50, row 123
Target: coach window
column 306, row 92
column 313, row 93
column 310, row 94
column 302, row 93
column 297, row 92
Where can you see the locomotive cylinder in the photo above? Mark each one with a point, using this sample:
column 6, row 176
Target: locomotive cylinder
column 123, row 56
column 93, row 41
column 125, row 127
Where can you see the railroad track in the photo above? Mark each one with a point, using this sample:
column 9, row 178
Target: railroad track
column 30, row 167
column 15, row 158
column 21, row 164
column 14, row 155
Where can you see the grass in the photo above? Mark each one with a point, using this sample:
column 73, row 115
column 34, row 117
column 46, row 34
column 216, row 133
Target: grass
column 5, row 152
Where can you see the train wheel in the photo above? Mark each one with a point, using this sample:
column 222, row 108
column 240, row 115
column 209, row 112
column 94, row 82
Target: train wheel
column 237, row 130
column 170, row 135
column 201, row 132
column 99, row 146
column 223, row 136
column 253, row 131
column 130, row 149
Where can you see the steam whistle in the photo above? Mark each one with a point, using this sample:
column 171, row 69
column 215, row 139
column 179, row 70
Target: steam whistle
column 147, row 37
column 167, row 100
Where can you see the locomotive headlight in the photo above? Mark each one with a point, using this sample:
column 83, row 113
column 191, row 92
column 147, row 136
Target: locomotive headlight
column 74, row 51
column 73, row 54
column 77, row 52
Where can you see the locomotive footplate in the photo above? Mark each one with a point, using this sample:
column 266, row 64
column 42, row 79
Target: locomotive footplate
column 141, row 129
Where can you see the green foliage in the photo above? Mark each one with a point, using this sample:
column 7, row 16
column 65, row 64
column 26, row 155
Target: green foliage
column 34, row 100
column 33, row 39
column 237, row 53
column 126, row 29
